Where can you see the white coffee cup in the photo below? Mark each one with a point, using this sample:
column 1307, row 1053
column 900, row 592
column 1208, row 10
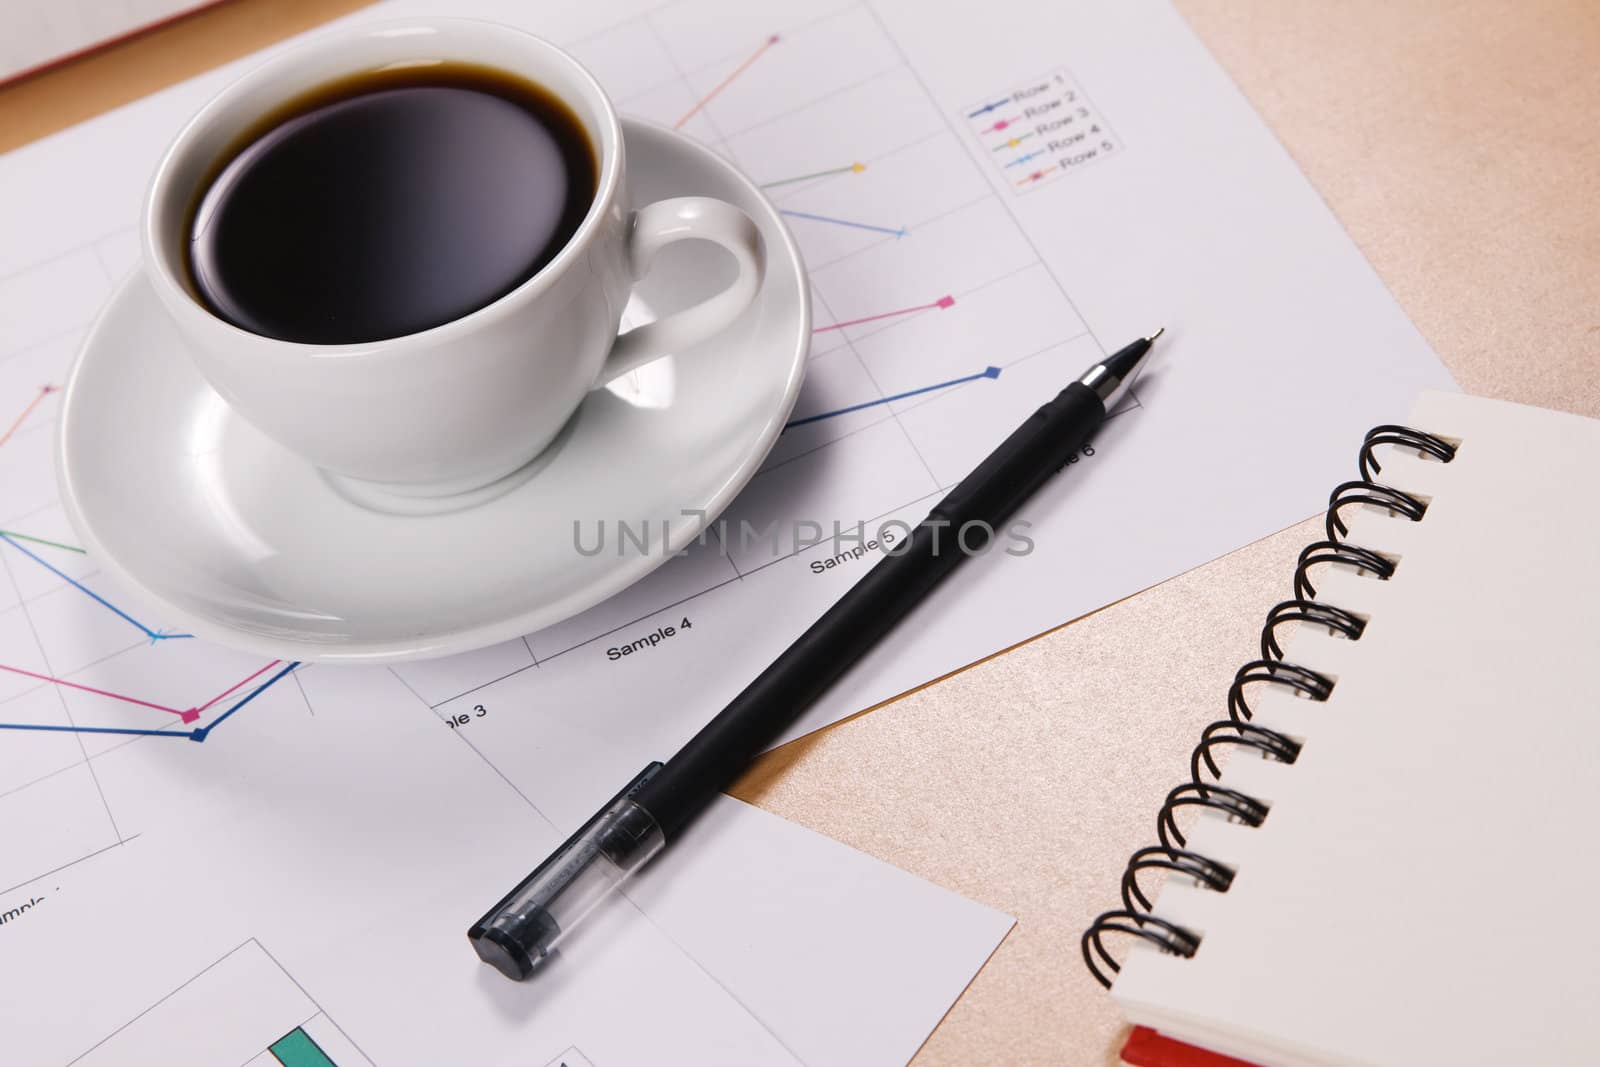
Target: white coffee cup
column 467, row 403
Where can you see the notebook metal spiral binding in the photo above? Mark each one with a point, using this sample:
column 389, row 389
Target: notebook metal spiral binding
column 1136, row 917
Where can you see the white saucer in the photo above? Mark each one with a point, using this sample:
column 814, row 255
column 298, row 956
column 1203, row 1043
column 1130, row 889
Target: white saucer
column 233, row 539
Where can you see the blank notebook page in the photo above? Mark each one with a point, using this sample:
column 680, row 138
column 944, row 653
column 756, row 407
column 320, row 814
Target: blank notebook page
column 1424, row 889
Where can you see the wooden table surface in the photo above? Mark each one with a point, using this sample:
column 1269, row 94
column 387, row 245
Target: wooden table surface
column 1457, row 142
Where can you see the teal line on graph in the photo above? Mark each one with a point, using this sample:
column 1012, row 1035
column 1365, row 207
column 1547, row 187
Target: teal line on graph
column 901, row 232
column 299, row 1049
column 153, row 635
column 987, row 372
column 199, row 733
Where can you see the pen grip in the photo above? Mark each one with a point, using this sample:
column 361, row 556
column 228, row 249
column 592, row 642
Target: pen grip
column 887, row 593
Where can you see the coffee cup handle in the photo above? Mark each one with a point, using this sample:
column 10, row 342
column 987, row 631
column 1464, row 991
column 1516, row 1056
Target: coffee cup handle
column 688, row 218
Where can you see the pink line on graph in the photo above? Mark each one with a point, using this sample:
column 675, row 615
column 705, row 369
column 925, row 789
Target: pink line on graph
column 237, row 685
column 44, row 391
column 186, row 714
column 942, row 302
column 92, row 689
column 725, row 82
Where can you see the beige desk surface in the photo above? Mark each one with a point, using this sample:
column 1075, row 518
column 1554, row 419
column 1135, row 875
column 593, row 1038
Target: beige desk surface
column 1457, row 140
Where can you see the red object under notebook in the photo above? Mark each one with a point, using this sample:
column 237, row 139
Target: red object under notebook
column 1147, row 1048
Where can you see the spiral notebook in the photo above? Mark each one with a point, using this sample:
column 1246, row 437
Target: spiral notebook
column 1394, row 863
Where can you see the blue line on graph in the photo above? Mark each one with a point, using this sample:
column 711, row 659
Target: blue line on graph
column 1024, row 159
column 987, row 372
column 153, row 635
column 96, row 730
column 200, row 732
column 197, row 734
column 901, row 232
column 988, row 108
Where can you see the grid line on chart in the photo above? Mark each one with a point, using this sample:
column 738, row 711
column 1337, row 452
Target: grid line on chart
column 295, row 678
column 80, row 762
column 314, row 1002
column 813, row 102
column 52, row 259
column 461, row 734
column 174, row 992
column 531, row 654
column 24, row 516
column 855, row 353
column 737, row 573
column 70, row 674
column 30, row 347
column 71, row 863
column 504, row 777
column 572, row 43
column 590, row 640
column 710, row 121
column 906, row 231
column 100, row 258
column 61, row 701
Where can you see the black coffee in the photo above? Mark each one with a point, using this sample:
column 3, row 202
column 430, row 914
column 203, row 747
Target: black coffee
column 388, row 203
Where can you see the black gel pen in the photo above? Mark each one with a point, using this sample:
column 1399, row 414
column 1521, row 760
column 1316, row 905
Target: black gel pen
column 529, row 922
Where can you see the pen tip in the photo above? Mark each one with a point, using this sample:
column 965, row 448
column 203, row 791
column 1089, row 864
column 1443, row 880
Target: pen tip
column 1158, row 333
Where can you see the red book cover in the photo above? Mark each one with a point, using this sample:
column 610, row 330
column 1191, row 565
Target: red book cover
column 1147, row 1048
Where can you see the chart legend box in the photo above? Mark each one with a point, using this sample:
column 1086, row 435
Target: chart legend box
column 1041, row 130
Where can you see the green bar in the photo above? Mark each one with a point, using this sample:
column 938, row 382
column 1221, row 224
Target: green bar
column 297, row 1049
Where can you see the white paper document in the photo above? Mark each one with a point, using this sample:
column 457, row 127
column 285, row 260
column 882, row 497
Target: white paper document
column 987, row 199
column 351, row 838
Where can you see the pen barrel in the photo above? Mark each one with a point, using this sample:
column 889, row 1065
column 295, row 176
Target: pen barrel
column 1031, row 456
column 979, row 505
